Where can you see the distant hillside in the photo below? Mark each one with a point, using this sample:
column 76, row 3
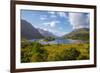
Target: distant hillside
column 80, row 34
column 46, row 33
column 28, row 31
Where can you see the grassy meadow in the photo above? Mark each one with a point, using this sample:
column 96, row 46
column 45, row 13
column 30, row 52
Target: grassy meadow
column 36, row 52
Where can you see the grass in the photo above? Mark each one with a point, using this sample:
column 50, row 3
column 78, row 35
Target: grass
column 36, row 52
column 83, row 49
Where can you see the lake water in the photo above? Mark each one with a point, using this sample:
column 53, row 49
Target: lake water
column 56, row 41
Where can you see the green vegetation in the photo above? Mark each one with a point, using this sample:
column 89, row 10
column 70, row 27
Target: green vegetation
column 78, row 34
column 32, row 52
column 36, row 52
column 49, row 39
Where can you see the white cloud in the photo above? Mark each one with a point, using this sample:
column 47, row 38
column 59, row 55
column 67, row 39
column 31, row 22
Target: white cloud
column 57, row 32
column 51, row 24
column 55, row 14
column 45, row 29
column 43, row 17
column 79, row 20
column 52, row 12
column 52, row 27
column 62, row 14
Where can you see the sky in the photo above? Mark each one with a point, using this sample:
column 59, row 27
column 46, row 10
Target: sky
column 57, row 22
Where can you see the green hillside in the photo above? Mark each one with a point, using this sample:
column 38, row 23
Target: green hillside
column 79, row 34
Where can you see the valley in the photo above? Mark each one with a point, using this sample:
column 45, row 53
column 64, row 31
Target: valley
column 38, row 45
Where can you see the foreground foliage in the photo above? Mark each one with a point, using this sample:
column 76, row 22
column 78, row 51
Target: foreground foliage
column 36, row 52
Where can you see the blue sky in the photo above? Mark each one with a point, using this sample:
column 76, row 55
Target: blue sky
column 59, row 23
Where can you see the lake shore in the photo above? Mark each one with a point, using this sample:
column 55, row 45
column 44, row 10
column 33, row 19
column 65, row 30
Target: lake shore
column 57, row 41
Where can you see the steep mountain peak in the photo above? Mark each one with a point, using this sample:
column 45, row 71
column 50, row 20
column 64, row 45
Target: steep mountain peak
column 28, row 31
column 46, row 33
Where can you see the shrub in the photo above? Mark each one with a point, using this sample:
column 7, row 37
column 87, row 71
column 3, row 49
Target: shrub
column 36, row 47
column 66, row 54
column 39, row 53
column 49, row 39
column 32, row 52
column 72, row 54
column 83, row 57
column 36, row 52
column 24, row 44
column 26, row 54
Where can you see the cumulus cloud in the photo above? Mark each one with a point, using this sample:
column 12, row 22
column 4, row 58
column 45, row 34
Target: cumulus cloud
column 62, row 14
column 43, row 17
column 79, row 20
column 57, row 32
column 51, row 24
column 55, row 14
column 52, row 12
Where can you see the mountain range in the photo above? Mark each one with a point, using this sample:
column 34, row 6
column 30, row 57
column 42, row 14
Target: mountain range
column 46, row 33
column 28, row 31
column 80, row 34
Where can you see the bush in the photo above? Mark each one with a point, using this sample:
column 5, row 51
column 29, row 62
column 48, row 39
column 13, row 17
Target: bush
column 85, row 54
column 36, row 47
column 32, row 52
column 83, row 57
column 39, row 54
column 66, row 54
column 26, row 51
column 49, row 39
column 26, row 54
column 69, row 54
column 36, row 52
column 72, row 54
column 24, row 44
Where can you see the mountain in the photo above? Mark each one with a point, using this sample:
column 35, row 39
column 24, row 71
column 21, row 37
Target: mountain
column 46, row 33
column 80, row 34
column 28, row 31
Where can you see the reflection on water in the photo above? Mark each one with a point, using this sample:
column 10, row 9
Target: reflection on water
column 56, row 41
